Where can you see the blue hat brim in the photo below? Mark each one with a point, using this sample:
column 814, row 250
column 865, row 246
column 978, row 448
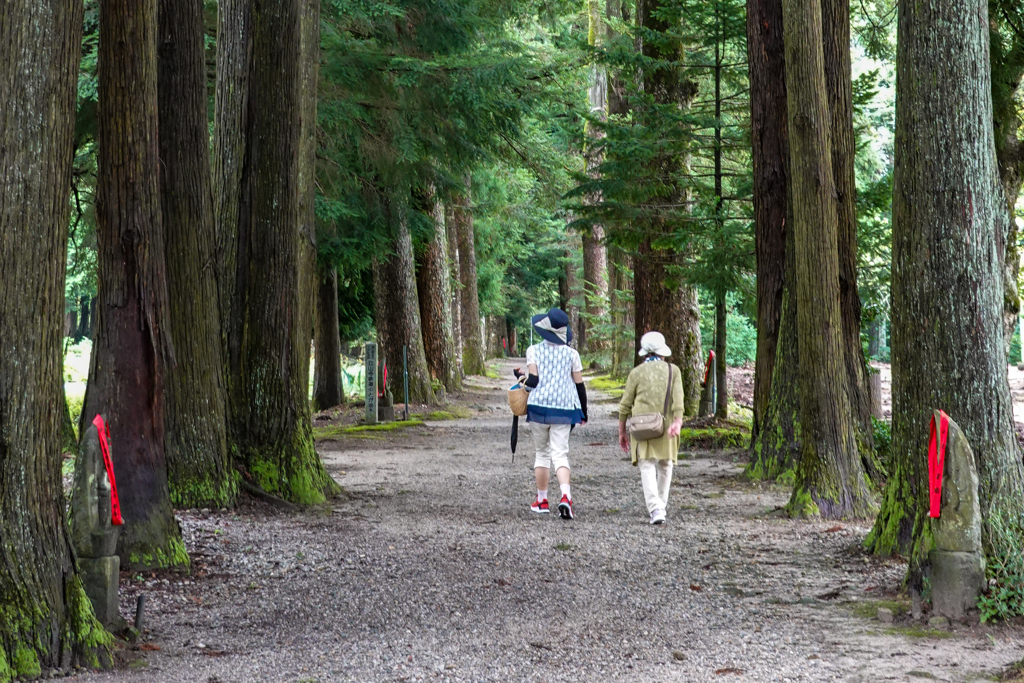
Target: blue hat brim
column 547, row 334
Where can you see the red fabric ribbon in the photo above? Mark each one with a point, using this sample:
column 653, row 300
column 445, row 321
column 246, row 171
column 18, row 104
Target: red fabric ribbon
column 382, row 389
column 937, row 462
column 707, row 367
column 103, row 430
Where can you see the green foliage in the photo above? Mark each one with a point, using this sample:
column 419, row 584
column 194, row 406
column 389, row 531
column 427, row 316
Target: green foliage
column 883, row 441
column 1005, row 569
column 740, row 335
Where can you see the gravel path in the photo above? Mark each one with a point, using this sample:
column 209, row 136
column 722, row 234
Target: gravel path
column 433, row 568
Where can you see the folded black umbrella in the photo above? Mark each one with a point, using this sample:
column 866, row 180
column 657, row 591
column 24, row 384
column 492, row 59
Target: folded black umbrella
column 515, row 435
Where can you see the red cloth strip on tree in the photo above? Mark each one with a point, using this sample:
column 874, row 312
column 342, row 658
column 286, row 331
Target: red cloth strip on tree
column 937, row 462
column 103, row 430
column 707, row 367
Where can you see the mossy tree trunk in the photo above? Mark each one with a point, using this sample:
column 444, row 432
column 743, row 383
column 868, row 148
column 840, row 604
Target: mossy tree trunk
column 830, row 476
column 434, row 289
column 266, row 73
column 621, row 302
column 199, row 468
column 770, row 159
column 327, row 389
column 47, row 620
column 397, row 318
column 839, row 84
column 947, row 346
column 132, row 346
column 472, row 338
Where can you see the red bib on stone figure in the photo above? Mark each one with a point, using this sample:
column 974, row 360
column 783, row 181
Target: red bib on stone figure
column 103, row 431
column 936, row 461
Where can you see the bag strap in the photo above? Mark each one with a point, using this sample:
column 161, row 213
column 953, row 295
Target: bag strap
column 668, row 390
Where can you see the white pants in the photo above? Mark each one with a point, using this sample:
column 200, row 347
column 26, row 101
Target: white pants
column 551, row 443
column 656, row 477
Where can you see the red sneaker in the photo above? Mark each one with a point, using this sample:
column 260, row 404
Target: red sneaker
column 540, row 506
column 565, row 508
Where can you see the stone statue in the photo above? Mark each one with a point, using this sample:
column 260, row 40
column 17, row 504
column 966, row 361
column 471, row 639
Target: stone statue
column 92, row 531
column 957, row 561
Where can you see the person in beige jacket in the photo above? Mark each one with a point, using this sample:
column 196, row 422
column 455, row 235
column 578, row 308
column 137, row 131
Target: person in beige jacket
column 645, row 393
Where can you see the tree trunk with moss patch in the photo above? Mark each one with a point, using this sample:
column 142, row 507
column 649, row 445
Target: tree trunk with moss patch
column 199, row 468
column 47, row 620
column 267, row 71
column 132, row 346
column 947, row 346
column 327, row 389
column 770, row 155
column 830, row 476
column 839, row 84
column 454, row 286
column 397, row 318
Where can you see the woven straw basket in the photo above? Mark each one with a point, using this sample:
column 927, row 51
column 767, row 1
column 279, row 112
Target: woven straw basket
column 517, row 398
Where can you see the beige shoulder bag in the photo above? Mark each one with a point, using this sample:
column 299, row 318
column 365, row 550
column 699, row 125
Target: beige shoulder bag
column 650, row 425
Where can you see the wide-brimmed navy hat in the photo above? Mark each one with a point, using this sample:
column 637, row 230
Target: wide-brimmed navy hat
column 553, row 326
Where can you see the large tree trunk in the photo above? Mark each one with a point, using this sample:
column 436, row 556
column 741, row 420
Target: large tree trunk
column 947, row 346
column 327, row 389
column 672, row 309
column 132, row 344
column 454, row 286
column 85, row 320
column 472, row 339
column 776, row 447
column 397, row 317
column 721, row 367
column 266, row 75
column 199, row 470
column 47, row 620
column 434, row 289
column 836, row 49
column 830, row 476
column 573, row 291
column 770, row 153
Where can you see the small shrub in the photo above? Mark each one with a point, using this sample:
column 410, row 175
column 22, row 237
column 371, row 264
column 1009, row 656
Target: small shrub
column 1005, row 596
column 883, row 441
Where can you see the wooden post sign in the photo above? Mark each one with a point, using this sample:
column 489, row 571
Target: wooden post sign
column 370, row 363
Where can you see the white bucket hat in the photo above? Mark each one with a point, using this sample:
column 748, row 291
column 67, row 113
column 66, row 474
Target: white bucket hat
column 654, row 342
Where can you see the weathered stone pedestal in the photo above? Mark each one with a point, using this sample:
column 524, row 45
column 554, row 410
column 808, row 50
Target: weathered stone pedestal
column 92, row 533
column 386, row 406
column 707, row 391
column 957, row 561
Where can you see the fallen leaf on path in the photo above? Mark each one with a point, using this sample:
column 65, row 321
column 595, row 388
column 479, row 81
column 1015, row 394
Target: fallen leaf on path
column 728, row 670
column 837, row 527
column 149, row 646
column 695, row 587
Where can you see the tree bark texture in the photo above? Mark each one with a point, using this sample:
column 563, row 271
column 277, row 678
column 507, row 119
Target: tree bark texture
column 266, row 75
column 199, row 469
column 472, row 339
column 327, row 389
column 47, row 620
column 770, row 154
column 434, row 289
column 721, row 367
column 830, row 476
column 947, row 346
column 621, row 302
column 573, row 290
column 454, row 286
column 397, row 317
column 85, row 320
column 132, row 347
column 673, row 309
column 836, row 49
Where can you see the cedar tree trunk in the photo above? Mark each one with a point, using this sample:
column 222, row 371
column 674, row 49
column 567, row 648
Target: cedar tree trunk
column 947, row 305
column 47, row 620
column 327, row 389
column 770, row 154
column 266, row 77
column 199, row 470
column 132, row 346
column 721, row 368
column 434, row 290
column 472, row 338
column 454, row 286
column 397, row 317
column 830, row 476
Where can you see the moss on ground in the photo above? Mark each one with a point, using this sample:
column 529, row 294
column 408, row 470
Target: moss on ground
column 917, row 632
column 713, row 438
column 869, row 609
column 613, row 386
column 453, row 413
column 333, row 432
